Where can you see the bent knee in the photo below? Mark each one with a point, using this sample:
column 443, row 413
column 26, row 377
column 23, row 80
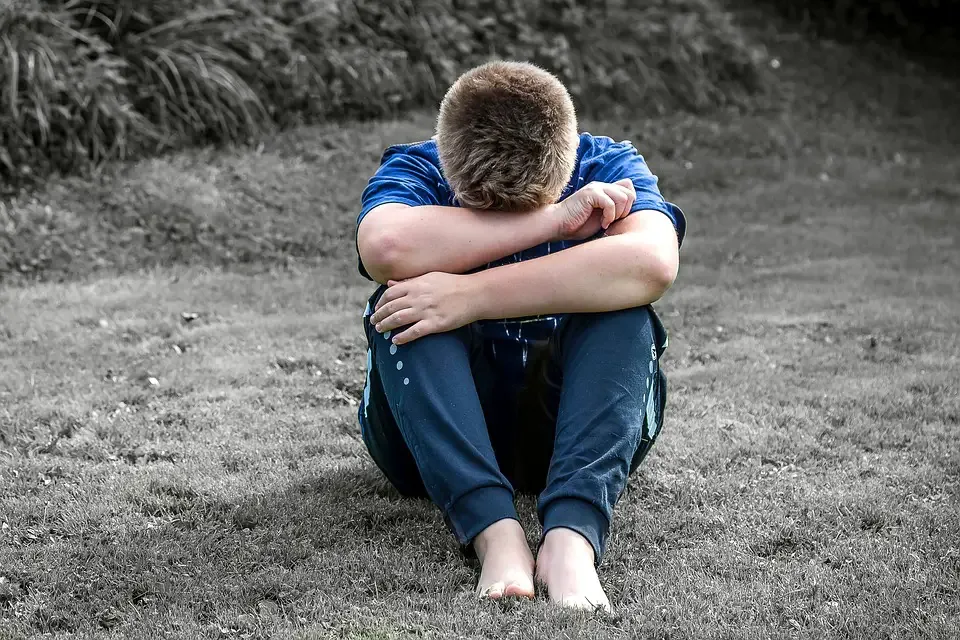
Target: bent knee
column 630, row 318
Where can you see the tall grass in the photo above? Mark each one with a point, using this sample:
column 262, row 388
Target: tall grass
column 84, row 81
column 65, row 98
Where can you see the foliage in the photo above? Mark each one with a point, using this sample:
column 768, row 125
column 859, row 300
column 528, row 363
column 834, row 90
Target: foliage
column 84, row 81
column 65, row 98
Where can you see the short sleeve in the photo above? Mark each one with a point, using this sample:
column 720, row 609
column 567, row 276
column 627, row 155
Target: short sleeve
column 406, row 175
column 614, row 161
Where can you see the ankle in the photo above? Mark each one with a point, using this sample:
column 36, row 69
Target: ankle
column 567, row 543
column 500, row 533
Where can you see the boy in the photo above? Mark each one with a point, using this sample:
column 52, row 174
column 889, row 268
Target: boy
column 511, row 345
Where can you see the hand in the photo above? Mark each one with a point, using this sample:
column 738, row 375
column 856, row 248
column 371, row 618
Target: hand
column 432, row 303
column 592, row 208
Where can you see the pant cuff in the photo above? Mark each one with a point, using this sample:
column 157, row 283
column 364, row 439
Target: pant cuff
column 475, row 511
column 580, row 516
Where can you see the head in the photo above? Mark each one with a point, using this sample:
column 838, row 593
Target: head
column 507, row 137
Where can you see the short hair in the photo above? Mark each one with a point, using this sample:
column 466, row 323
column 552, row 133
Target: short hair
column 507, row 137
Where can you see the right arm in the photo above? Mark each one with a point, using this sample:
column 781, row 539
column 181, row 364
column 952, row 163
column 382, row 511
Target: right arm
column 405, row 232
column 397, row 241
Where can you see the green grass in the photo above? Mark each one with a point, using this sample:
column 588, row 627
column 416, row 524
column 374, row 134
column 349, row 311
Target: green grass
column 205, row 478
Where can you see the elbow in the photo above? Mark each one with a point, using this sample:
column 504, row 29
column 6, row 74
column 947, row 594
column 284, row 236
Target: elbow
column 380, row 251
column 661, row 272
column 654, row 253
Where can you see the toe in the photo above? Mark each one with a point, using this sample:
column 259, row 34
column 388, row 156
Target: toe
column 493, row 591
column 519, row 591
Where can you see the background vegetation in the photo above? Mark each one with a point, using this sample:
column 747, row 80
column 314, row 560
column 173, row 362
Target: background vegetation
column 83, row 81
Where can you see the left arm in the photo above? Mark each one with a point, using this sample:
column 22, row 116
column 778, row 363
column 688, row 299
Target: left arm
column 632, row 265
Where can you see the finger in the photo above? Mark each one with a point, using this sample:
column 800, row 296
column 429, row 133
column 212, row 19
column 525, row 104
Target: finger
column 399, row 319
column 389, row 309
column 626, row 182
column 621, row 198
column 392, row 293
column 609, row 210
column 418, row 330
column 630, row 196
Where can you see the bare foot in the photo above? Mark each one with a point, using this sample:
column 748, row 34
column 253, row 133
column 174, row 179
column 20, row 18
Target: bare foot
column 506, row 560
column 565, row 567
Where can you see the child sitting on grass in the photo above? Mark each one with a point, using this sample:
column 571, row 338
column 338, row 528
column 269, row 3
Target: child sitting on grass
column 512, row 347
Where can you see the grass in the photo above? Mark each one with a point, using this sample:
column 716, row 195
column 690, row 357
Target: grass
column 203, row 477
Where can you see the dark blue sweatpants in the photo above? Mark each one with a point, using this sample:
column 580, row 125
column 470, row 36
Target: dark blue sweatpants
column 440, row 420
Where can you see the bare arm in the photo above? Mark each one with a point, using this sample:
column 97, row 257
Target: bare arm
column 633, row 265
column 397, row 241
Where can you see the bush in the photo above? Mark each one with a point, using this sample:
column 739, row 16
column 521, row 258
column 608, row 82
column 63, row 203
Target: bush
column 84, row 81
column 65, row 98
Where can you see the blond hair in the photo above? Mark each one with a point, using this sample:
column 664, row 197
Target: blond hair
column 507, row 137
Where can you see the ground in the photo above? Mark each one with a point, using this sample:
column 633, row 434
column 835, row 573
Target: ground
column 180, row 456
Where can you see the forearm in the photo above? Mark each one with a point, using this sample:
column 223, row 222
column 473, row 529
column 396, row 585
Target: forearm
column 398, row 242
column 613, row 272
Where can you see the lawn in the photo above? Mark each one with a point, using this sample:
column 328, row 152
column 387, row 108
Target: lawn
column 179, row 451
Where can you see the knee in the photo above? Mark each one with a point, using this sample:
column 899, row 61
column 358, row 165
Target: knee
column 630, row 321
column 383, row 342
column 636, row 314
column 629, row 336
column 427, row 358
column 641, row 315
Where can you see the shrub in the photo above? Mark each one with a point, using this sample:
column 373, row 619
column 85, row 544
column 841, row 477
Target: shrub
column 187, row 68
column 85, row 81
column 613, row 54
column 65, row 99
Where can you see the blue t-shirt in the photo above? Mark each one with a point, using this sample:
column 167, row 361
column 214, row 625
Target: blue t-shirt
column 411, row 174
